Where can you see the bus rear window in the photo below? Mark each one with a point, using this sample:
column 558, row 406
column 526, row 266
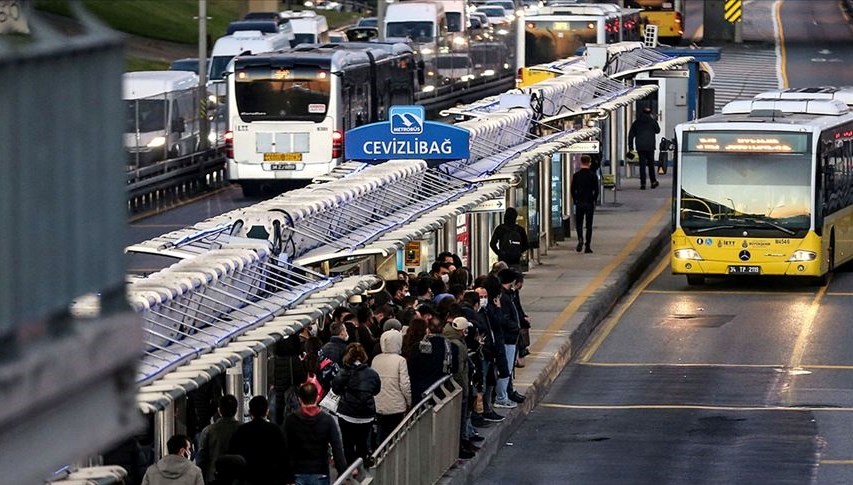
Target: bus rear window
column 265, row 93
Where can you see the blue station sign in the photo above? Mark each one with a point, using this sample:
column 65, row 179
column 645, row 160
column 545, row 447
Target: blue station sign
column 406, row 135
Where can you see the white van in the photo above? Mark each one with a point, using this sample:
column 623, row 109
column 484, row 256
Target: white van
column 422, row 23
column 162, row 121
column 458, row 23
column 246, row 41
column 308, row 27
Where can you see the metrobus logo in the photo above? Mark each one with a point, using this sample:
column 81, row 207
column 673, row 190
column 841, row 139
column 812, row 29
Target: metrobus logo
column 407, row 120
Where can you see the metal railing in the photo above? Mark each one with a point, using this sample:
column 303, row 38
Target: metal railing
column 422, row 447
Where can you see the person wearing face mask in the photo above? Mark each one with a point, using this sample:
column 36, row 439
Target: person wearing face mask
column 482, row 359
column 176, row 467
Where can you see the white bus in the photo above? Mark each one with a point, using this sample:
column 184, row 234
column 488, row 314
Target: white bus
column 558, row 31
column 288, row 111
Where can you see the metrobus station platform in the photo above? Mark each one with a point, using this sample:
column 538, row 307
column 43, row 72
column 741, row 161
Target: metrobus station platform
column 568, row 294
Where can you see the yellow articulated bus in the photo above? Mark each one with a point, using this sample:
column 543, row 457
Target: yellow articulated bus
column 766, row 187
column 668, row 15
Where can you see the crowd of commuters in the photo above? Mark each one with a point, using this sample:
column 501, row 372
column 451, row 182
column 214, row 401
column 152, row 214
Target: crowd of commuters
column 380, row 355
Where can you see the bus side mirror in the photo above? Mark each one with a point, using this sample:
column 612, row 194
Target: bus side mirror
column 421, row 69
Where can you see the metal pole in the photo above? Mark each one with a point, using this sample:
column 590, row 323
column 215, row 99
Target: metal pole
column 482, row 241
column 546, row 204
column 739, row 32
column 380, row 18
column 449, row 233
column 234, row 386
column 259, row 375
column 202, row 74
column 164, row 422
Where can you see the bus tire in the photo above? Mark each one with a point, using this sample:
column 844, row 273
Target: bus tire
column 695, row 280
column 250, row 189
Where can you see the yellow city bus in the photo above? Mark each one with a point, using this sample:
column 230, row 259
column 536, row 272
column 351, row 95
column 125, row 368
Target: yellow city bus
column 668, row 15
column 766, row 187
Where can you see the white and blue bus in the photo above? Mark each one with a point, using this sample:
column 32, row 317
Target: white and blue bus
column 288, row 111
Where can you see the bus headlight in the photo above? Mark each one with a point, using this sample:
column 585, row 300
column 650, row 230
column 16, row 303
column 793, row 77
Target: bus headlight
column 689, row 253
column 459, row 41
column 802, row 255
column 156, row 142
column 426, row 51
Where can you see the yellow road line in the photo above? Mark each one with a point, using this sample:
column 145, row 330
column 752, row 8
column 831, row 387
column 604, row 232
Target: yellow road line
column 626, row 407
column 610, row 323
column 727, row 292
column 597, row 282
column 783, row 70
column 836, row 462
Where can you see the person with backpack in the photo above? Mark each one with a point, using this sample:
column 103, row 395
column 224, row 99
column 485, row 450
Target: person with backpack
column 509, row 241
column 642, row 135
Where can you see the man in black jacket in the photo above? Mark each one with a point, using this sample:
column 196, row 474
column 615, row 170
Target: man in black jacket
column 509, row 241
column 642, row 135
column 584, row 190
column 310, row 433
column 262, row 445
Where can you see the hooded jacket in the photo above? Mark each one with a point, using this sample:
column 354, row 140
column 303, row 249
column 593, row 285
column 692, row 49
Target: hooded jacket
column 173, row 470
column 457, row 339
column 643, row 131
column 396, row 393
column 357, row 384
column 509, row 224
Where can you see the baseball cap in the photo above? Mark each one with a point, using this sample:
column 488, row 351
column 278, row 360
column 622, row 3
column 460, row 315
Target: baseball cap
column 461, row 323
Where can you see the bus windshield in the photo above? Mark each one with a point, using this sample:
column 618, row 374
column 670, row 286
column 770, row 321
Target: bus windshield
column 304, row 38
column 417, row 31
column 549, row 40
column 727, row 193
column 299, row 93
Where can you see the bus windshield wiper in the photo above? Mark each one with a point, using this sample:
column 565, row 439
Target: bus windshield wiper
column 714, row 228
column 771, row 224
column 762, row 222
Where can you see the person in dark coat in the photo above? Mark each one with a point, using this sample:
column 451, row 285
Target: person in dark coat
column 216, row 438
column 511, row 323
column 357, row 385
column 584, row 190
column 310, row 433
column 436, row 357
column 262, row 445
column 642, row 136
column 509, row 241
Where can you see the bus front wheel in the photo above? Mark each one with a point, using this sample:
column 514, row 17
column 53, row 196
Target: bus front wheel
column 695, row 280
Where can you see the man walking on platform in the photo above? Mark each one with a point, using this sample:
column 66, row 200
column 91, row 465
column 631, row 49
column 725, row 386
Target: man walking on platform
column 643, row 131
column 584, row 190
column 509, row 241
column 176, row 467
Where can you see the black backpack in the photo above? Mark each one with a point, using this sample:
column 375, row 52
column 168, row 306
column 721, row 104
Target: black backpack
column 510, row 243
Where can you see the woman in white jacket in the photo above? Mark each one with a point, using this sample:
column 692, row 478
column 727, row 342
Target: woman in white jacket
column 395, row 395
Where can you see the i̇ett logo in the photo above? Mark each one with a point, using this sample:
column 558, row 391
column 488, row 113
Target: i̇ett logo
column 407, row 120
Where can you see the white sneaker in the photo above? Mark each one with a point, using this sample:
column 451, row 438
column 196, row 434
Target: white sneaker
column 505, row 404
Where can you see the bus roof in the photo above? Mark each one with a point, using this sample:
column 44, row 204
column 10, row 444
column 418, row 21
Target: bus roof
column 336, row 57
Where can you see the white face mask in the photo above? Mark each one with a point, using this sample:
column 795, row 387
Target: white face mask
column 445, row 278
column 484, row 302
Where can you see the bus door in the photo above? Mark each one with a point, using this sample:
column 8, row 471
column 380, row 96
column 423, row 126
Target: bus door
column 670, row 103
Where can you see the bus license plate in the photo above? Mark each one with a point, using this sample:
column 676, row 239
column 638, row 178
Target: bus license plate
column 745, row 270
column 282, row 157
column 283, row 166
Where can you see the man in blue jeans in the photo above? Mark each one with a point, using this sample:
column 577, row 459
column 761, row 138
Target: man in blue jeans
column 511, row 328
column 310, row 432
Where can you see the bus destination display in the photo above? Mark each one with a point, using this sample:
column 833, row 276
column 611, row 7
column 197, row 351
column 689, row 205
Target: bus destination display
column 752, row 142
